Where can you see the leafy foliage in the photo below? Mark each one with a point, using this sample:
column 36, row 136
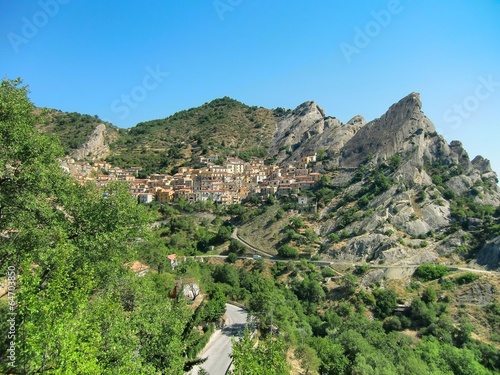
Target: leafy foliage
column 267, row 358
column 208, row 129
column 72, row 129
column 429, row 271
column 79, row 309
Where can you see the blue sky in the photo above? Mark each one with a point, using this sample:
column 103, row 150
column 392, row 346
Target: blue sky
column 134, row 61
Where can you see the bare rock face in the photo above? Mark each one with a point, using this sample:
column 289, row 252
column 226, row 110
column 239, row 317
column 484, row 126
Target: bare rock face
column 479, row 293
column 404, row 146
column 482, row 164
column 403, row 128
column 489, row 255
column 96, row 146
column 307, row 129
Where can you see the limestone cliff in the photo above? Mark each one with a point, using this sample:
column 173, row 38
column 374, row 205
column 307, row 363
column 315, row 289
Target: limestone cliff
column 410, row 181
column 96, row 147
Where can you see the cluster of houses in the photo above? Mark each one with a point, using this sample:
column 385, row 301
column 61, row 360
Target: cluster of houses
column 228, row 182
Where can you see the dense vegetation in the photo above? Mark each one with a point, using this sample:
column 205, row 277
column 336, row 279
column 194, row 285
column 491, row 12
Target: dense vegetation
column 72, row 129
column 79, row 309
column 162, row 144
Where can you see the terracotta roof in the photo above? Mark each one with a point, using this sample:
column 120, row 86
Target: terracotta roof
column 136, row 266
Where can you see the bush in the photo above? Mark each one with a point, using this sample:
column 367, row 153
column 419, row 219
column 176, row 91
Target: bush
column 327, row 272
column 429, row 271
column 232, row 257
column 334, row 237
column 392, row 323
column 237, row 247
column 287, row 251
column 385, row 302
column 361, row 270
column 466, row 278
column 429, row 295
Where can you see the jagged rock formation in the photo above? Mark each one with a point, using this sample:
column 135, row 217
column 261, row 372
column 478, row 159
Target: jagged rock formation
column 424, row 171
column 400, row 194
column 307, row 129
column 96, row 146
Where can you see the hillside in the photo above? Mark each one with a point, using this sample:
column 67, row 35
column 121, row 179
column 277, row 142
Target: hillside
column 223, row 126
column 73, row 129
column 394, row 191
column 100, row 284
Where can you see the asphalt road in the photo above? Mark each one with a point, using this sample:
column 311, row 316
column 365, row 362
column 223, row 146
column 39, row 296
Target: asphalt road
column 219, row 347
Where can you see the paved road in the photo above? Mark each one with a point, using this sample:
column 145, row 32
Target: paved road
column 348, row 264
column 241, row 240
column 218, row 349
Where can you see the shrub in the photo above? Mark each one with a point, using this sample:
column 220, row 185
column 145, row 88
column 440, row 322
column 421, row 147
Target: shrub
column 429, row 295
column 287, row 251
column 385, row 302
column 430, row 271
column 422, row 196
column 232, row 257
column 447, row 284
column 334, row 237
column 466, row 278
column 361, row 270
column 236, row 247
column 327, row 272
column 392, row 323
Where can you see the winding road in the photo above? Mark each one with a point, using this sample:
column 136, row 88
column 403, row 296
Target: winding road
column 219, row 347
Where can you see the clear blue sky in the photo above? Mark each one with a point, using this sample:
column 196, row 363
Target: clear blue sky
column 134, row 61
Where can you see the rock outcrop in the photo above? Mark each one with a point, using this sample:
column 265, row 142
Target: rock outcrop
column 401, row 129
column 96, row 147
column 489, row 255
column 404, row 146
column 307, row 129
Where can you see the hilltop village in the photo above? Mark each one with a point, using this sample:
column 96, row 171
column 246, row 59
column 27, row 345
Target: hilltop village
column 223, row 181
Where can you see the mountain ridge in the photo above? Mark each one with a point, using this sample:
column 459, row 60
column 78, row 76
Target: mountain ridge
column 384, row 180
column 282, row 143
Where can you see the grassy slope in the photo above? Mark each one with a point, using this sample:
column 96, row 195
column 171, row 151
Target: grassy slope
column 223, row 126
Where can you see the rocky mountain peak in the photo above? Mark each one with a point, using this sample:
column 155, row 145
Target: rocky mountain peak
column 401, row 129
column 481, row 164
column 309, row 108
column 357, row 121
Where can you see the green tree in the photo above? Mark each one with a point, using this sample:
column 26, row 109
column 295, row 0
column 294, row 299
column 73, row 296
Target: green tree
column 79, row 309
column 287, row 251
column 216, row 305
column 267, row 358
column 385, row 301
column 431, row 271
